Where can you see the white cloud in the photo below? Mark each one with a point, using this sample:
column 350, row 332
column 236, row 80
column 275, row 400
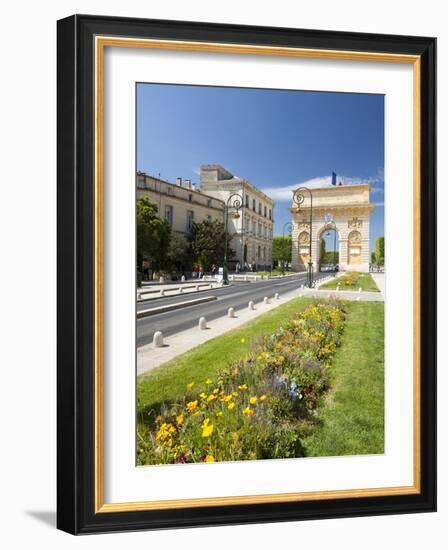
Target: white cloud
column 284, row 194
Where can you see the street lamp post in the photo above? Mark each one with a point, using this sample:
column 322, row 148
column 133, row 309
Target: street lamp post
column 235, row 206
column 287, row 224
column 299, row 198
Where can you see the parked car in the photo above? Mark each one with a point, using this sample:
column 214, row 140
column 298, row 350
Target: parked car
column 329, row 268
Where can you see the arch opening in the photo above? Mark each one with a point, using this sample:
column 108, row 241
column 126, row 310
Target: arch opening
column 328, row 249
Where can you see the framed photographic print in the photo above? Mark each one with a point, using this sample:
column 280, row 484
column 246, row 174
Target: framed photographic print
column 247, row 274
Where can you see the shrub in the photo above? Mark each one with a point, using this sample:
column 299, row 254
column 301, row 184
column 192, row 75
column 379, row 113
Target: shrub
column 255, row 408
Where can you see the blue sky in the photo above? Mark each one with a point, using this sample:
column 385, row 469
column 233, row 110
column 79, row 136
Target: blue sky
column 276, row 139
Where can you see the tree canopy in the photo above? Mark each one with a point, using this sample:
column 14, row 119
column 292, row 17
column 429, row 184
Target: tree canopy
column 207, row 243
column 179, row 252
column 153, row 235
column 282, row 249
column 379, row 251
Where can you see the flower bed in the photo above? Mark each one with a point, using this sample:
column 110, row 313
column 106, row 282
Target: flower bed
column 258, row 408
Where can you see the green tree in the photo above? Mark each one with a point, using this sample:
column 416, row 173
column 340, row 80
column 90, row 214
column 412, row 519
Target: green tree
column 153, row 235
column 322, row 251
column 207, row 243
column 373, row 257
column 179, row 253
column 379, row 250
column 282, row 250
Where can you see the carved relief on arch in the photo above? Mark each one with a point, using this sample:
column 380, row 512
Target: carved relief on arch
column 304, row 238
column 354, row 247
column 354, row 238
column 355, row 223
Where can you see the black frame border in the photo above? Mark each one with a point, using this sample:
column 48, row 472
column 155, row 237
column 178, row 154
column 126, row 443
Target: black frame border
column 76, row 263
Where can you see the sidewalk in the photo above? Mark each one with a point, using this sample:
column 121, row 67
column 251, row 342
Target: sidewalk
column 148, row 292
column 149, row 357
column 380, row 281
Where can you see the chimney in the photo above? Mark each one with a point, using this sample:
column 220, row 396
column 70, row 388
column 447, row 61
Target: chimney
column 187, row 184
column 179, row 182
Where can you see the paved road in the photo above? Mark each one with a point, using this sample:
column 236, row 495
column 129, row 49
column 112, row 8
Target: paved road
column 237, row 296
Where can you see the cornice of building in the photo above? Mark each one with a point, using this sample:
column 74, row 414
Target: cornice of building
column 176, row 186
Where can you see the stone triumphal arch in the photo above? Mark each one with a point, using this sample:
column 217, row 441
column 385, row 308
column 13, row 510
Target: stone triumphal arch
column 349, row 208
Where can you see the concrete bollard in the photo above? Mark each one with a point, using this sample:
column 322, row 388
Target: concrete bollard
column 203, row 323
column 231, row 312
column 300, row 295
column 157, row 339
column 183, row 278
column 181, row 290
column 266, row 300
column 162, row 292
column 358, row 299
column 277, row 296
column 139, row 295
column 161, row 280
column 251, row 305
column 197, row 288
column 302, row 286
column 359, row 289
column 245, row 277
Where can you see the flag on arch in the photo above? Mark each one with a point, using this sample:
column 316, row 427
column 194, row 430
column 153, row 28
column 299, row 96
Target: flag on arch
column 333, row 178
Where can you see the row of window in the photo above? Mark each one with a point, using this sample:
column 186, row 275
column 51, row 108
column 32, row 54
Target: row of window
column 259, row 253
column 169, row 217
column 258, row 229
column 255, row 228
column 262, row 210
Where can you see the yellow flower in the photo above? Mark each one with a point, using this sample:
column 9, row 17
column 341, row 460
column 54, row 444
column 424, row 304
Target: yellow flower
column 227, row 398
column 211, row 397
column 192, row 405
column 207, row 428
column 281, row 359
column 263, row 397
column 235, row 393
column 209, row 458
column 219, row 413
column 216, row 390
column 248, row 411
column 252, row 400
column 231, row 406
column 190, row 385
column 165, row 432
column 180, row 419
column 208, row 381
column 159, row 418
column 242, row 387
column 202, row 395
column 197, row 413
column 243, row 340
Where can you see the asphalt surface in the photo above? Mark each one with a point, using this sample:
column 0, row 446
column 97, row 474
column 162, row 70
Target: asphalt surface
column 237, row 296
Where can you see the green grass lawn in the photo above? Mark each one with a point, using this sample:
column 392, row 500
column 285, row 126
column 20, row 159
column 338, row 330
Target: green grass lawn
column 167, row 382
column 353, row 413
column 353, row 281
column 350, row 418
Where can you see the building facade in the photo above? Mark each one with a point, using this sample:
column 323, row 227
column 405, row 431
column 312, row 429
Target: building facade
column 180, row 203
column 350, row 208
column 252, row 230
